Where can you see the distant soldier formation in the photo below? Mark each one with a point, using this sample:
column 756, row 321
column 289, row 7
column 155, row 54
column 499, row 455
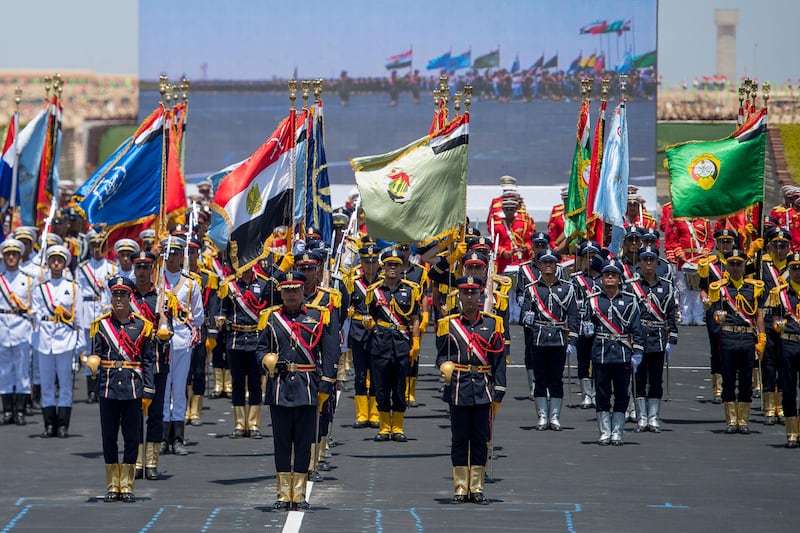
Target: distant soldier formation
column 157, row 324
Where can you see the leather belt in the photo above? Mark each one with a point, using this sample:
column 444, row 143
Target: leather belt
column 12, row 312
column 473, row 369
column 119, row 364
column 562, row 325
column 91, row 298
column 389, row 325
column 790, row 337
column 294, row 367
column 738, row 329
column 610, row 337
column 244, row 329
column 653, row 323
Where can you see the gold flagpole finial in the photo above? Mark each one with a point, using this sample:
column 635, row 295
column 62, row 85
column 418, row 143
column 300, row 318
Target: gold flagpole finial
column 741, row 95
column 47, row 81
column 163, row 83
column 185, row 89
column 176, row 93
column 444, row 88
column 457, row 102
column 58, row 86
column 305, row 86
column 292, row 92
column 436, row 97
column 318, row 89
column 467, row 98
column 604, row 85
column 168, row 95
column 747, row 86
column 765, row 88
column 17, row 98
column 623, row 86
column 586, row 88
column 753, row 94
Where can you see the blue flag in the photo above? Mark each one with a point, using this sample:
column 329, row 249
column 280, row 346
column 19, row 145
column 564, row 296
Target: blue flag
column 127, row 186
column 612, row 189
column 31, row 147
column 318, row 198
column 439, row 62
column 459, row 62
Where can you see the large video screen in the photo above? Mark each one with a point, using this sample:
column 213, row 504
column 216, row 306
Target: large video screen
column 380, row 62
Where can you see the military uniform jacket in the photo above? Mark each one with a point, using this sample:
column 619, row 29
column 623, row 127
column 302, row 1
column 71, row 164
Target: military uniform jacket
column 296, row 338
column 657, row 313
column 58, row 320
column 331, row 342
column 785, row 301
column 187, row 309
column 557, row 322
column 617, row 329
column 710, row 269
column 358, row 308
column 772, row 277
column 739, row 303
column 92, row 275
column 241, row 303
column 478, row 352
column 16, row 293
column 128, row 346
column 393, row 310
column 585, row 285
column 145, row 306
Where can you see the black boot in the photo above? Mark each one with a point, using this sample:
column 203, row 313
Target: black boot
column 165, row 440
column 50, row 419
column 91, row 389
column 178, row 447
column 36, row 401
column 8, row 409
column 63, row 421
column 19, row 408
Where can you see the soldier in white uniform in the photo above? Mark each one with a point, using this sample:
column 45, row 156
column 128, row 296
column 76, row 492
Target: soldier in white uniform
column 188, row 315
column 28, row 235
column 126, row 250
column 59, row 339
column 15, row 342
column 92, row 276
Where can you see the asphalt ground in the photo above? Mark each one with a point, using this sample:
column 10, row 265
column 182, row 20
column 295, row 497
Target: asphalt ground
column 690, row 477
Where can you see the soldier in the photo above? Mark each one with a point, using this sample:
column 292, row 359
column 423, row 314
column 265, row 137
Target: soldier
column 555, row 226
column 241, row 302
column 186, row 307
column 59, row 340
column 585, row 280
column 122, row 340
column 148, row 239
column 690, row 241
column 630, row 251
column 664, row 269
column 144, row 302
column 514, row 234
column 92, row 276
column 656, row 301
column 15, row 344
column 27, row 235
column 737, row 306
column 550, row 313
column 636, row 214
column 364, row 384
column 125, row 250
column 617, row 346
column 419, row 275
column 393, row 344
column 299, row 380
column 785, row 301
column 470, row 355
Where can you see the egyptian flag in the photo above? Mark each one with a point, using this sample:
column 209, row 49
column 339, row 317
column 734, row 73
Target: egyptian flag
column 257, row 197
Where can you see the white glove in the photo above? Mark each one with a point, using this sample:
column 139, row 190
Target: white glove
column 588, row 329
column 298, row 247
column 570, row 352
column 636, row 360
column 668, row 352
column 520, row 300
column 528, row 318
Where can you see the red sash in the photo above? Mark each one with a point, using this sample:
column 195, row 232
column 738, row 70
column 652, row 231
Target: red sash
column 143, row 309
column 604, row 318
column 542, row 307
column 121, row 342
column 90, row 276
column 732, row 304
column 12, row 299
column 784, row 296
column 380, row 299
column 247, row 304
column 527, row 271
column 652, row 308
column 469, row 339
column 295, row 329
column 714, row 267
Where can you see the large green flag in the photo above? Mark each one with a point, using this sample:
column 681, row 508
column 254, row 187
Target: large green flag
column 719, row 178
column 575, row 206
column 492, row 59
column 418, row 191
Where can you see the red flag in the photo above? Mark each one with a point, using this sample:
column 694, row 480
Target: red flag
column 594, row 225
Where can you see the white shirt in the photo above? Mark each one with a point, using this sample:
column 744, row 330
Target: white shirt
column 92, row 277
column 56, row 337
column 190, row 298
column 15, row 329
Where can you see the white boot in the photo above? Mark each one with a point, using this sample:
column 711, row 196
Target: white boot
column 555, row 413
column 541, row 412
column 604, row 426
column 653, row 408
column 586, row 393
column 617, row 423
column 531, row 384
column 641, row 419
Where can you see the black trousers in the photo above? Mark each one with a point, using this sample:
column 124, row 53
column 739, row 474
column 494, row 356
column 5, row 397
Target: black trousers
column 292, row 430
column 155, row 416
column 469, row 427
column 548, row 367
column 769, row 361
column 219, row 356
column 197, row 370
column 584, row 356
column 789, row 371
column 611, row 378
column 361, row 366
column 389, row 372
column 326, row 416
column 245, row 367
column 713, row 340
column 124, row 414
column 528, row 338
column 649, row 376
column 737, row 351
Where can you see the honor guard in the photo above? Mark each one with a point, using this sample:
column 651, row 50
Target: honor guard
column 59, row 339
column 366, row 406
column 691, row 240
column 711, row 269
column 630, row 250
column 785, row 303
column 555, row 226
column 393, row 343
column 774, row 273
column 241, row 301
column 419, row 275
column 585, row 280
column 92, row 276
column 737, row 306
column 299, row 380
column 185, row 300
column 514, row 236
column 617, row 345
column 147, row 238
column 470, row 355
column 550, row 314
column 636, row 214
column 27, row 235
column 217, row 341
column 656, row 299
column 122, row 348
column 664, row 269
column 16, row 290
column 126, row 249
column 144, row 302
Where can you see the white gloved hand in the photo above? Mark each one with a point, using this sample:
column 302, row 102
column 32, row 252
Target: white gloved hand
column 528, row 318
column 668, row 352
column 587, row 328
column 570, row 352
column 520, row 300
column 298, row 247
column 636, row 360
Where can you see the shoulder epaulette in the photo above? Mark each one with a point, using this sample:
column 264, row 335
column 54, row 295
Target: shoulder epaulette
column 96, row 324
column 498, row 322
column 335, row 295
column 370, row 289
column 416, row 289
column 443, row 325
column 147, row 329
column 222, row 290
column 213, row 279
column 324, row 313
column 714, row 287
column 775, row 296
column 758, row 286
column 503, row 281
column 83, row 263
column 263, row 317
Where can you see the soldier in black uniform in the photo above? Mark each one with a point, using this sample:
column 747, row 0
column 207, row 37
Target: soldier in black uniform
column 737, row 306
column 242, row 301
column 585, row 279
column 774, row 274
column 785, row 301
column 365, row 402
column 394, row 342
column 664, row 269
column 617, row 345
column 416, row 274
column 550, row 315
column 144, row 302
column 299, row 380
column 123, row 342
column 470, row 348
column 656, row 300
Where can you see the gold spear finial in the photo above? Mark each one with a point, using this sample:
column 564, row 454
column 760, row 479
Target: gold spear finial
column 17, row 98
column 168, row 95
column 604, row 85
column 163, row 83
column 318, row 89
column 292, row 92
column 623, row 86
column 741, row 95
column 47, row 80
column 176, row 92
column 185, row 88
column 765, row 88
column 436, row 96
column 305, row 86
column 467, row 98
column 753, row 94
column 457, row 102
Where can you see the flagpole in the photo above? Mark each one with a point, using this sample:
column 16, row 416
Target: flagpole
column 292, row 169
column 467, row 103
column 765, row 88
column 15, row 169
column 163, row 86
column 305, row 87
column 185, row 96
